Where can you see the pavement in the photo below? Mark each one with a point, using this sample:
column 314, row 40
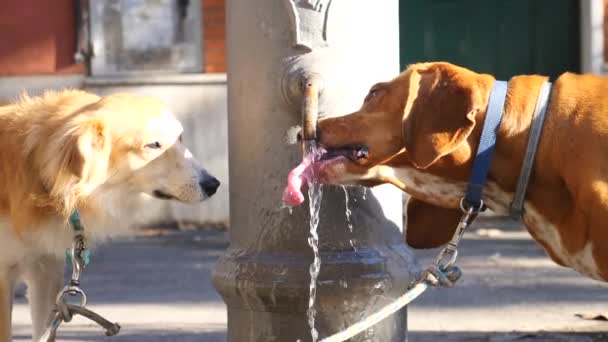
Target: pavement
column 510, row 291
column 157, row 286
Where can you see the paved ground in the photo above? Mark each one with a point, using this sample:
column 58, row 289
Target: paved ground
column 158, row 288
column 510, row 291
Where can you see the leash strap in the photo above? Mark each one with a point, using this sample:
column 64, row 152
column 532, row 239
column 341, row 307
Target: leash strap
column 538, row 119
column 481, row 164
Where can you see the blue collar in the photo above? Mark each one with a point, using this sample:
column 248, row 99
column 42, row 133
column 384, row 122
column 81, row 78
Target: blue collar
column 481, row 164
column 487, row 142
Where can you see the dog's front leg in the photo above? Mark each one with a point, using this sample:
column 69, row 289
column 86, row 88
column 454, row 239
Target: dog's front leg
column 429, row 226
column 44, row 279
column 7, row 285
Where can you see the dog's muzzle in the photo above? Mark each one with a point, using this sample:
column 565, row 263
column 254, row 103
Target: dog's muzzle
column 354, row 153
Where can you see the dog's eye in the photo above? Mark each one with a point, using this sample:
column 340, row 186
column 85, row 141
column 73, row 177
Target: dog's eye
column 154, row 145
column 373, row 92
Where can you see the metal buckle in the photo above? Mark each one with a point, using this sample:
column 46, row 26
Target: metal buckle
column 467, row 207
column 73, row 291
column 447, row 257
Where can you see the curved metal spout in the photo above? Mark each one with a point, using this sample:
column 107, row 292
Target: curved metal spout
column 311, row 85
column 311, row 89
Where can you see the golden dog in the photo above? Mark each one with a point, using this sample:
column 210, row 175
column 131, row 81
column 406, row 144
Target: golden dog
column 74, row 150
column 422, row 130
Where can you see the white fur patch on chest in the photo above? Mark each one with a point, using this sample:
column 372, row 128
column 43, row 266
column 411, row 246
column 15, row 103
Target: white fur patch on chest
column 582, row 261
column 53, row 237
column 443, row 192
column 434, row 189
column 50, row 238
column 12, row 248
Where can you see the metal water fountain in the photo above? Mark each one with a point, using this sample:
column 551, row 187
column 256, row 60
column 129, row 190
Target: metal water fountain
column 287, row 65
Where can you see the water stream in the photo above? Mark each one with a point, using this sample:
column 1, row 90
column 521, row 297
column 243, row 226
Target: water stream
column 314, row 200
column 315, row 195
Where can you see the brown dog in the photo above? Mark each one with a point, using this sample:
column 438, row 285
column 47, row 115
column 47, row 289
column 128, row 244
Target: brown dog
column 422, row 130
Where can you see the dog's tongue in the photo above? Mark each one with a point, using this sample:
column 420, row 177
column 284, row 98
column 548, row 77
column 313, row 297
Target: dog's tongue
column 297, row 179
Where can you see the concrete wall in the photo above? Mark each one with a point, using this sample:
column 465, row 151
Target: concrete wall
column 592, row 36
column 198, row 100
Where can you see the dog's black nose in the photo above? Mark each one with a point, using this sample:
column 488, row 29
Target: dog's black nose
column 210, row 185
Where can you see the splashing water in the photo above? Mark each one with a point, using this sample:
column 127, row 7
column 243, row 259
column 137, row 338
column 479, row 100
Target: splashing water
column 314, row 200
column 347, row 211
column 348, row 214
column 286, row 207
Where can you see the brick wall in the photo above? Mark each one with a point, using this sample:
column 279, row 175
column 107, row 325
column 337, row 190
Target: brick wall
column 214, row 35
column 37, row 37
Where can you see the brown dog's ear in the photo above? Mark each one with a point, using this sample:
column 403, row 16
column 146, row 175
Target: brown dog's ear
column 441, row 115
column 429, row 226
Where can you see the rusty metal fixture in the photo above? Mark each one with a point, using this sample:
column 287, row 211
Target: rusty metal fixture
column 311, row 88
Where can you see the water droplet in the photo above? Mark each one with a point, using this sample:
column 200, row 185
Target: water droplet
column 352, row 244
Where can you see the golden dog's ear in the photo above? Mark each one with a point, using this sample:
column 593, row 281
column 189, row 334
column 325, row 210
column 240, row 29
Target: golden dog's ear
column 440, row 116
column 88, row 153
column 76, row 161
column 429, row 226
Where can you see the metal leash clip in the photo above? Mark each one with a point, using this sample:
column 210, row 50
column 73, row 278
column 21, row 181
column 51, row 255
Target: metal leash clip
column 64, row 312
column 443, row 271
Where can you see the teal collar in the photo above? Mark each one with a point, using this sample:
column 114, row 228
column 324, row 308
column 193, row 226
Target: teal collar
column 75, row 221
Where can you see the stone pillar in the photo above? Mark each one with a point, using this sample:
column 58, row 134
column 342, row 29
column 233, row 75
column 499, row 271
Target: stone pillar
column 264, row 275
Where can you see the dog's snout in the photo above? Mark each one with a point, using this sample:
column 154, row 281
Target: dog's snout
column 210, row 185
